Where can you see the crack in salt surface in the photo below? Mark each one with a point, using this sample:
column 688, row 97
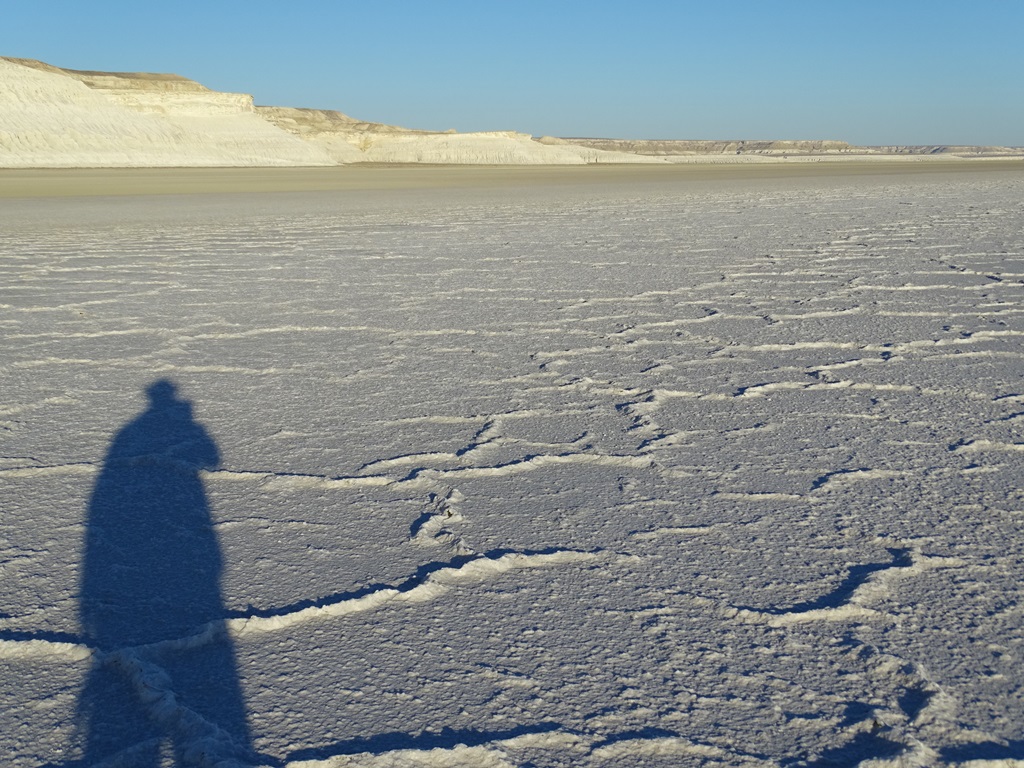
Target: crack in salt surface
column 426, row 475
column 866, row 585
column 475, row 749
column 417, row 476
column 975, row 446
column 414, row 590
column 204, row 742
column 434, row 585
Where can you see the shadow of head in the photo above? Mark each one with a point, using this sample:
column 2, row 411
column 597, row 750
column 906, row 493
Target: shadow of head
column 162, row 392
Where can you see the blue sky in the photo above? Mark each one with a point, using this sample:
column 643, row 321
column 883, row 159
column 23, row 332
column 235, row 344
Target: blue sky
column 869, row 72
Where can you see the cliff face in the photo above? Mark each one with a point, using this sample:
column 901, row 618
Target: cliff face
column 779, row 149
column 491, row 148
column 956, row 150
column 694, row 147
column 56, row 118
column 348, row 140
column 52, row 117
column 317, row 122
column 65, row 118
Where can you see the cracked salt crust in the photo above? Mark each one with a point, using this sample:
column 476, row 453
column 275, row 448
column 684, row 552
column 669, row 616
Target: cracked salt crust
column 574, row 481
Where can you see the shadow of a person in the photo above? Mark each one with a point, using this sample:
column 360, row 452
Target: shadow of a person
column 150, row 582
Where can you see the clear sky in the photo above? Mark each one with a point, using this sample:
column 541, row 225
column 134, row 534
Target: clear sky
column 869, row 72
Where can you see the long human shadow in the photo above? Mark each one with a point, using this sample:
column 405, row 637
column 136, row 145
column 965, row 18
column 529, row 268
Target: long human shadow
column 151, row 574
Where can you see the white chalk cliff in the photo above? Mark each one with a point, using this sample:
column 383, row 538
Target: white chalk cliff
column 59, row 118
column 56, row 118
column 349, row 141
column 64, row 118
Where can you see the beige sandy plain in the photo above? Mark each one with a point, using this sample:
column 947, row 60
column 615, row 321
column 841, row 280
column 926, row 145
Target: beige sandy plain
column 152, row 181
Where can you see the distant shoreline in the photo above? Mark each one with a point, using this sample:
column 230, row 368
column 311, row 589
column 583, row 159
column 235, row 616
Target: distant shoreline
column 91, row 182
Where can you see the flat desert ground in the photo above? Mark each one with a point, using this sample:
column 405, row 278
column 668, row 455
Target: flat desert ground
column 63, row 182
column 513, row 467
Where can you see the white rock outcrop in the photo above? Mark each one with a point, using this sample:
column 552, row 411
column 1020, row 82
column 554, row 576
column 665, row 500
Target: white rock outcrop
column 53, row 118
column 351, row 141
column 60, row 118
column 490, row 148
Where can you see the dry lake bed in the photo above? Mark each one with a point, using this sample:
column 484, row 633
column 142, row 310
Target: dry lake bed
column 528, row 467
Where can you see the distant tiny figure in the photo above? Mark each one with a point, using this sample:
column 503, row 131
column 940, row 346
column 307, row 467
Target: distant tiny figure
column 151, row 574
